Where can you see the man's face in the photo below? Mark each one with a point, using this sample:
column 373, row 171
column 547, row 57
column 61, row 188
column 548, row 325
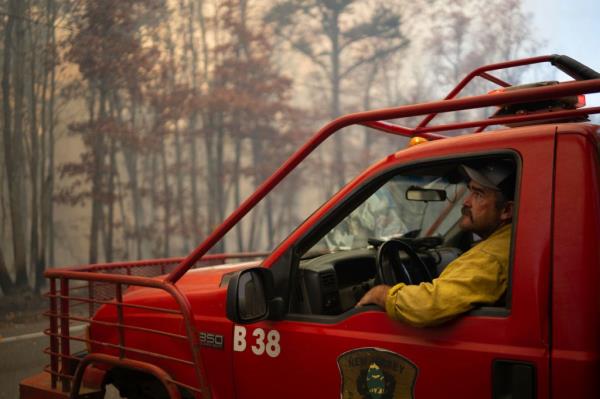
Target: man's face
column 480, row 213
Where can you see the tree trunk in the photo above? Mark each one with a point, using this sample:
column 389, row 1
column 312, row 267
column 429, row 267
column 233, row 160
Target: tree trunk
column 131, row 164
column 110, row 217
column 98, row 157
column 166, row 200
column 6, row 105
column 270, row 227
column 49, row 189
column 192, row 126
column 215, row 179
column 14, row 145
column 41, row 263
column 6, row 283
column 153, row 202
column 239, row 232
column 257, row 156
column 338, row 165
column 208, row 125
column 211, row 178
column 366, row 161
column 195, row 205
column 138, row 200
column 220, row 186
column 37, row 255
column 125, row 227
column 252, row 236
column 180, row 192
column 178, row 159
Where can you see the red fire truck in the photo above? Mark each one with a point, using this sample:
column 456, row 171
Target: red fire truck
column 286, row 325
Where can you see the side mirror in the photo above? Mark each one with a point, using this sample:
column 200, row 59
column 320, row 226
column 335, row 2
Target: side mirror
column 250, row 297
column 415, row 193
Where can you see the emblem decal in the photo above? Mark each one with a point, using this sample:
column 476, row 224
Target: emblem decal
column 371, row 373
column 211, row 340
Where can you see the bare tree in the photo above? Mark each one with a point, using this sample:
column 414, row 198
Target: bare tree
column 14, row 155
column 338, row 38
column 108, row 47
column 48, row 125
column 463, row 38
column 195, row 12
column 508, row 36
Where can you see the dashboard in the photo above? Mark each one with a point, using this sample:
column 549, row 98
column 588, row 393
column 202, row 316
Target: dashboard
column 333, row 283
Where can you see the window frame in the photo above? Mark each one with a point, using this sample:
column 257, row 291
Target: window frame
column 353, row 200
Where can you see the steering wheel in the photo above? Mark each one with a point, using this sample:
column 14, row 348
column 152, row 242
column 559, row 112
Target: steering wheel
column 392, row 269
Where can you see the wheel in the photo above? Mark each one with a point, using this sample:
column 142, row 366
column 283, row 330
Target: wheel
column 393, row 268
column 138, row 385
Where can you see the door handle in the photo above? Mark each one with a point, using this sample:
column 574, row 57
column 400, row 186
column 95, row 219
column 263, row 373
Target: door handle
column 513, row 380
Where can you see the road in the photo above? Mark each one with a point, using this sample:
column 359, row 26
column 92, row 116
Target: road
column 21, row 355
column 20, row 358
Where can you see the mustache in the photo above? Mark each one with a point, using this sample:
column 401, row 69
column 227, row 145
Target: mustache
column 465, row 211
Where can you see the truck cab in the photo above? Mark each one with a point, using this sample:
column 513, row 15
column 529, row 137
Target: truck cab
column 506, row 349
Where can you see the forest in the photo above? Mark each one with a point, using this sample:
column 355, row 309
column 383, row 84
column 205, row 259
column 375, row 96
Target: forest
column 131, row 128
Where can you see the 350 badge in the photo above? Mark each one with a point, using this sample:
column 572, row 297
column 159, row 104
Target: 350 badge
column 211, row 340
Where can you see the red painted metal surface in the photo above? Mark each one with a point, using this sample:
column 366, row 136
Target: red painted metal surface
column 483, row 72
column 65, row 343
column 576, row 260
column 427, row 132
column 54, row 331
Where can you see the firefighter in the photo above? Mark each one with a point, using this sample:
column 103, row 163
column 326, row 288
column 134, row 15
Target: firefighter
column 477, row 277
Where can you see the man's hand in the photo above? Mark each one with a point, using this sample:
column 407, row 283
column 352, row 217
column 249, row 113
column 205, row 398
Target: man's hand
column 375, row 295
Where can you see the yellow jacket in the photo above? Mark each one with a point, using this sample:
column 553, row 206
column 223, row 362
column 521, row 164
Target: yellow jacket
column 479, row 276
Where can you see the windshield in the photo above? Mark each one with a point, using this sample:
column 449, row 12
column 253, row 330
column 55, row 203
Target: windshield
column 387, row 213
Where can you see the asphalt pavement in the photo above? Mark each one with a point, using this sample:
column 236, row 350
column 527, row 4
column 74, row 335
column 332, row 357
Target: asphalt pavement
column 21, row 355
column 20, row 358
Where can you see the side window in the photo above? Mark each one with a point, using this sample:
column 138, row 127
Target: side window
column 387, row 213
column 419, row 207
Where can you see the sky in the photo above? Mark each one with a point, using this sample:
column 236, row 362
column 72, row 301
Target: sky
column 570, row 28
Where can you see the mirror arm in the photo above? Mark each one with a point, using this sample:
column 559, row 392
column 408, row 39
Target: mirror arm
column 276, row 308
